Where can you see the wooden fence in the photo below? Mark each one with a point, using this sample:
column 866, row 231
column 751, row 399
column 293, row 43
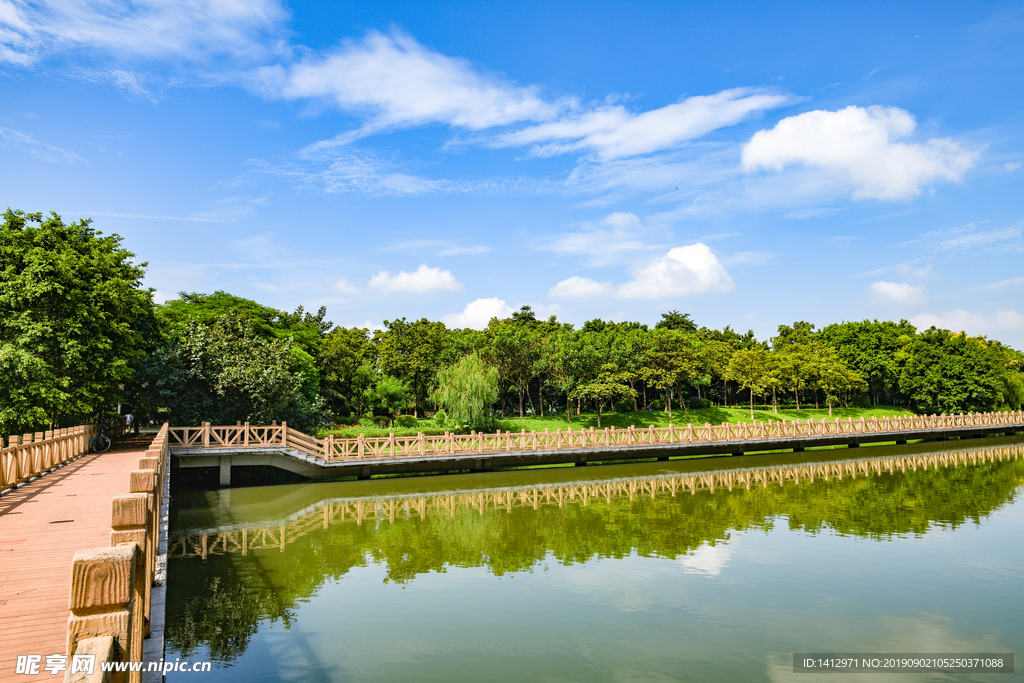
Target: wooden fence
column 111, row 587
column 31, row 455
column 244, row 435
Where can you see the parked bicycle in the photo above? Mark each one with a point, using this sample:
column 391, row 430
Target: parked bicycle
column 101, row 442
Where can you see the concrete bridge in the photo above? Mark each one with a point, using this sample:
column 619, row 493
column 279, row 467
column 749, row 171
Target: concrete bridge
column 242, row 445
column 276, row 532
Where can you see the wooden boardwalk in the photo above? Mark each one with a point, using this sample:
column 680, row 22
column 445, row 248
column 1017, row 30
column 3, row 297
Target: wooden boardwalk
column 42, row 524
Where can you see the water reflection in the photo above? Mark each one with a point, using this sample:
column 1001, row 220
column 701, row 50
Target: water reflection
column 234, row 577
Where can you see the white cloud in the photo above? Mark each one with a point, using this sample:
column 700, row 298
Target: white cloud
column 1003, row 283
column 343, row 286
column 161, row 298
column 1012, row 166
column 897, row 293
column 959, row 320
column 39, row 150
column 857, row 147
column 478, row 313
column 371, row 326
column 421, row 281
column 194, row 30
column 613, row 132
column 367, row 174
column 401, row 83
column 979, row 239
column 617, row 236
column 920, row 273
column 684, row 270
column 580, row 288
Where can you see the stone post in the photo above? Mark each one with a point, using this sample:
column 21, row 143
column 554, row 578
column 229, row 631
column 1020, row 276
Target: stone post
column 104, row 598
column 129, row 515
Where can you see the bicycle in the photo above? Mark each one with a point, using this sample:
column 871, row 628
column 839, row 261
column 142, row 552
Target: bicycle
column 101, row 442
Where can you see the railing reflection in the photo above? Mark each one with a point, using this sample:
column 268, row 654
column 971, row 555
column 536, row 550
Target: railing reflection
column 242, row 540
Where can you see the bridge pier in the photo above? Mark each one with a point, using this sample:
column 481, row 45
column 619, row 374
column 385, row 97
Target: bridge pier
column 853, row 445
column 798, row 449
column 225, row 470
column 581, row 460
column 662, row 458
column 364, row 472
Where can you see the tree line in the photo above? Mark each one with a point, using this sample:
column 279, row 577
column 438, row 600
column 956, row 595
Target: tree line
column 79, row 334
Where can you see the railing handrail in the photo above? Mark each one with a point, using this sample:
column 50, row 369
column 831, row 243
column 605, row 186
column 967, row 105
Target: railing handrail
column 392, row 446
column 111, row 587
column 29, row 455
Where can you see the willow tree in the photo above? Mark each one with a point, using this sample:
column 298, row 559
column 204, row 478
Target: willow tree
column 466, row 390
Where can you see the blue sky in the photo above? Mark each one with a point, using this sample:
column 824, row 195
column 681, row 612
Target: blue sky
column 750, row 164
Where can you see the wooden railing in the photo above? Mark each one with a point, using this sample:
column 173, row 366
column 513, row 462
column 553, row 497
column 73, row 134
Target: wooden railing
column 30, row 455
column 110, row 587
column 361, row 448
column 372, row 510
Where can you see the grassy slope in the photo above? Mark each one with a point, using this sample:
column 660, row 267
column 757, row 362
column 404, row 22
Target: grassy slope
column 714, row 415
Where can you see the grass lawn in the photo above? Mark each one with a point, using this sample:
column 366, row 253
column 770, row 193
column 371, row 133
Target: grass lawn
column 714, row 415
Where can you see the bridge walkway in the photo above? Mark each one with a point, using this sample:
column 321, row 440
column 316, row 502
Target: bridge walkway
column 42, row 524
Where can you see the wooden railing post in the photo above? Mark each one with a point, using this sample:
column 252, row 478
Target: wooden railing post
column 284, row 433
column 206, row 435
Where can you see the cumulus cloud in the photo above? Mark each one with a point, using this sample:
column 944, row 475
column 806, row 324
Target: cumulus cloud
column 897, row 293
column 401, row 83
column 858, row 147
column 421, row 281
column 684, row 270
column 959, row 320
column 193, row 30
column 478, row 313
column 692, row 269
column 580, row 288
column 613, row 132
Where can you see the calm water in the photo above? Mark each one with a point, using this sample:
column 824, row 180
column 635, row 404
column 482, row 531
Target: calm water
column 602, row 574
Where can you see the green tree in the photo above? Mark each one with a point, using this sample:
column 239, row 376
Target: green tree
column 344, row 351
column 749, row 368
column 225, row 371
column 795, row 367
column 609, row 385
column 388, row 395
column 674, row 320
column 467, row 390
column 873, row 350
column 833, row 375
column 673, row 359
column 515, row 351
column 74, row 320
column 946, row 372
column 411, row 352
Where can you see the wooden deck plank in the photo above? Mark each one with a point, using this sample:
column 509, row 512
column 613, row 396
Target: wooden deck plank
column 42, row 524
